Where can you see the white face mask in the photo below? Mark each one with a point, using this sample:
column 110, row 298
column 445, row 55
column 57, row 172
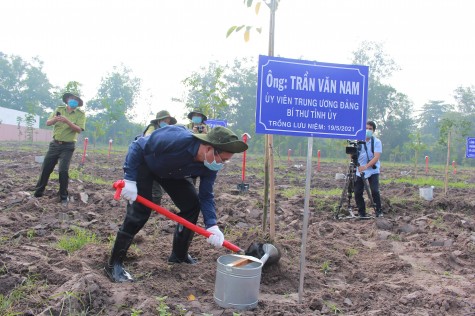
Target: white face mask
column 214, row 166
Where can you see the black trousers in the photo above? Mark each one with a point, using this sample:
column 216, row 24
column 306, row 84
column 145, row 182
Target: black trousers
column 181, row 191
column 359, row 190
column 56, row 152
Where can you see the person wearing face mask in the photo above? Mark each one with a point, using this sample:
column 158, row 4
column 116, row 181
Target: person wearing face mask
column 162, row 119
column 197, row 124
column 170, row 156
column 369, row 166
column 68, row 122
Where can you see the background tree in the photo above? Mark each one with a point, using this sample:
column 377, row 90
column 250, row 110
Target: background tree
column 429, row 119
column 455, row 126
column 241, row 86
column 390, row 109
column 465, row 97
column 417, row 145
column 113, row 107
column 207, row 91
column 24, row 84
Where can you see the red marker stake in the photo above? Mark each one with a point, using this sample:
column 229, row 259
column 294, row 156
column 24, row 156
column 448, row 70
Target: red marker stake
column 85, row 149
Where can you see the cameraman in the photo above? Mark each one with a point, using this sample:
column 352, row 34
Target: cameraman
column 197, row 124
column 368, row 165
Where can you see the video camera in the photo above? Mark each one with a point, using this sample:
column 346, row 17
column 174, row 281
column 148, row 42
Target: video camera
column 353, row 146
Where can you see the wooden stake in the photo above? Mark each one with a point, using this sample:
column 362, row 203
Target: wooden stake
column 446, row 182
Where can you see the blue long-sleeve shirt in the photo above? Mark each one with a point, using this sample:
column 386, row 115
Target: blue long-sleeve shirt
column 366, row 155
column 169, row 152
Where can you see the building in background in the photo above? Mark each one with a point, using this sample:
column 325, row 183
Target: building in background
column 14, row 127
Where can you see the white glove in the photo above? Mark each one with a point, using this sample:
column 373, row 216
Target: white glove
column 217, row 237
column 129, row 192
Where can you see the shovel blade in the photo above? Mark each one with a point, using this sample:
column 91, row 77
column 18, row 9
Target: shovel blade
column 243, row 187
column 268, row 252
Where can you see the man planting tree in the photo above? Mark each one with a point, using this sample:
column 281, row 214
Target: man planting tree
column 170, row 156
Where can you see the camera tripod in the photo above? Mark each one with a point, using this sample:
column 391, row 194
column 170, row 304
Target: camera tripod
column 347, row 194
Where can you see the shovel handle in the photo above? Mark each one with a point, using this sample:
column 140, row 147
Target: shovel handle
column 119, row 184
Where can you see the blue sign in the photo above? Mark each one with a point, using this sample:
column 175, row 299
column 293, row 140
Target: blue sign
column 306, row 98
column 212, row 123
column 470, row 152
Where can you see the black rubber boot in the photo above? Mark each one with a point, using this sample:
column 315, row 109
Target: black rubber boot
column 115, row 267
column 181, row 243
column 363, row 215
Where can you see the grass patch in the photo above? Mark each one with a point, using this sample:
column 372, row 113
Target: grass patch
column 325, row 268
column 8, row 302
column 334, row 309
column 350, row 252
column 331, row 192
column 291, row 192
column 429, row 181
column 78, row 175
column 80, row 238
column 162, row 308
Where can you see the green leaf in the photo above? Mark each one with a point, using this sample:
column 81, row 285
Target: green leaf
column 258, row 6
column 247, row 34
column 259, row 30
column 231, row 29
column 249, row 3
column 239, row 28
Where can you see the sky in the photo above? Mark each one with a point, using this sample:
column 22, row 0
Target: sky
column 163, row 42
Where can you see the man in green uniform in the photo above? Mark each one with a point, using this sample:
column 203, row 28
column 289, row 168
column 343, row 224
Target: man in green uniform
column 68, row 122
column 162, row 119
column 197, row 124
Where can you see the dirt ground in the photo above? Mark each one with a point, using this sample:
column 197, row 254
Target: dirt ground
column 419, row 259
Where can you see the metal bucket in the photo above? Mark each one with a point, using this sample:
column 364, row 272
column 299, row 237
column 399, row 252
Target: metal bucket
column 427, row 193
column 237, row 287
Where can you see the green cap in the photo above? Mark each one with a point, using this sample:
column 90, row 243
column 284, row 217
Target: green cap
column 223, row 139
column 163, row 115
column 197, row 111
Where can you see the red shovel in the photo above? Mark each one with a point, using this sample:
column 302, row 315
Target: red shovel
column 119, row 184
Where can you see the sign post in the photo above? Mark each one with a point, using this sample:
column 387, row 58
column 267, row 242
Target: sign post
column 303, row 98
column 313, row 99
column 470, row 150
column 212, row 123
